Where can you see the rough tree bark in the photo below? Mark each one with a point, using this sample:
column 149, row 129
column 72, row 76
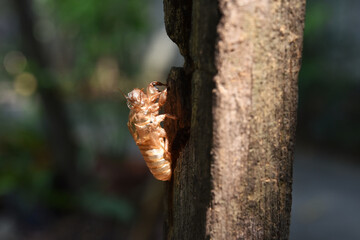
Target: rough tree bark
column 236, row 100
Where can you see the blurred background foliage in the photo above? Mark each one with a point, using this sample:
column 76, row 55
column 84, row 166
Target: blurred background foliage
column 329, row 81
column 66, row 158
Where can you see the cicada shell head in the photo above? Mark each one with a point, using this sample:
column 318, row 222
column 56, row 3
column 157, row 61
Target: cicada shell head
column 136, row 98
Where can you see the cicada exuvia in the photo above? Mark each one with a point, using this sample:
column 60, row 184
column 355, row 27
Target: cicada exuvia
column 145, row 128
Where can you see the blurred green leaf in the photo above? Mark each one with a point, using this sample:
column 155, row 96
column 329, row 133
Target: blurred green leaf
column 317, row 14
column 8, row 182
column 98, row 28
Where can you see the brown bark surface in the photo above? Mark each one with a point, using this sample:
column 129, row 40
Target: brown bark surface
column 233, row 153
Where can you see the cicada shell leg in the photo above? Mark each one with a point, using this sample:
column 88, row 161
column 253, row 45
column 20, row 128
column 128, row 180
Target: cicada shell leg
column 162, row 117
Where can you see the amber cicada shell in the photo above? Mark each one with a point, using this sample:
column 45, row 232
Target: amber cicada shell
column 144, row 125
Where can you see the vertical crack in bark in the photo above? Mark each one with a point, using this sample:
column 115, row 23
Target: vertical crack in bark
column 178, row 27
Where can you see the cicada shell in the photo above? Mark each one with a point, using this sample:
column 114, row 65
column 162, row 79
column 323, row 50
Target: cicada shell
column 144, row 125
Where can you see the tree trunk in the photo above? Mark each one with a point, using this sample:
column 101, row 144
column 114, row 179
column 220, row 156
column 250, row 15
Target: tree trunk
column 235, row 100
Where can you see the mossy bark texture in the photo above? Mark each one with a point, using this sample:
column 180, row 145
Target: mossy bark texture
column 235, row 99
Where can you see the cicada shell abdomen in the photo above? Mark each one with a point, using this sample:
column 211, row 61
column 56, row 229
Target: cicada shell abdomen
column 156, row 161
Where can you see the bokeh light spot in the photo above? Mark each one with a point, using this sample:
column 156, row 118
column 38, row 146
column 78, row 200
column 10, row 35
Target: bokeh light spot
column 15, row 62
column 25, row 84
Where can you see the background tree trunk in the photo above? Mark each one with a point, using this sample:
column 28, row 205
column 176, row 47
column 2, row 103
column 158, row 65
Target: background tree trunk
column 57, row 124
column 236, row 101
